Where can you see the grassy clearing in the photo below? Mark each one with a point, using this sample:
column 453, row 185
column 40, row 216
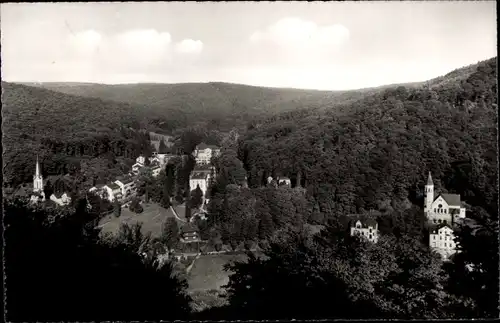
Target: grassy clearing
column 208, row 273
column 151, row 219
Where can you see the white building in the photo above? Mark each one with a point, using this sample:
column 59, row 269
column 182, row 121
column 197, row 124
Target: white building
column 112, row 191
column 156, row 171
column 445, row 208
column 61, row 199
column 441, row 240
column 284, row 181
column 200, row 179
column 367, row 228
column 141, row 160
column 126, row 184
column 163, row 158
column 204, row 153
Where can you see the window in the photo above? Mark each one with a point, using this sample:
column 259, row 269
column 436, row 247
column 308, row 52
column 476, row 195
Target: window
column 433, row 244
column 445, row 211
column 434, row 210
column 445, row 238
column 370, row 230
column 445, row 244
column 439, row 221
column 435, row 221
column 370, row 236
column 440, row 238
column 433, row 237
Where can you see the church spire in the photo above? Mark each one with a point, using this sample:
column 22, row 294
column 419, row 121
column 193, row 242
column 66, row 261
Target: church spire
column 429, row 180
column 37, row 170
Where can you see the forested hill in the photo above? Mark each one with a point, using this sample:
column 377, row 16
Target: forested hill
column 378, row 156
column 222, row 105
column 64, row 130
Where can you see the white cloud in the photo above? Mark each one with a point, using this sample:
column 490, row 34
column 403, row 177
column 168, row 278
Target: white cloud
column 189, row 46
column 301, row 33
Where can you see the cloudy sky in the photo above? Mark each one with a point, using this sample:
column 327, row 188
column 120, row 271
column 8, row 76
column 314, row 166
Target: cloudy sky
column 332, row 46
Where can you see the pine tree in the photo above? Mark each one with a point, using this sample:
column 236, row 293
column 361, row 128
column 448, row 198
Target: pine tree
column 117, row 209
column 170, row 233
column 196, row 197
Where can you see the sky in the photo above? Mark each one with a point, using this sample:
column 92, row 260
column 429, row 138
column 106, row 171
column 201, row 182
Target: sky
column 310, row 45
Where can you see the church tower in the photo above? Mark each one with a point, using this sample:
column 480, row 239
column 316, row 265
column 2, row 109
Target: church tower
column 37, row 179
column 429, row 194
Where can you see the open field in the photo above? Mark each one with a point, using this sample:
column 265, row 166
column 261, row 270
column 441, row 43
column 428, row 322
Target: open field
column 151, row 218
column 208, row 273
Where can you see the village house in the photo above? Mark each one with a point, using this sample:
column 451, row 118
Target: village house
column 126, row 184
column 189, row 233
column 112, row 191
column 441, row 240
column 163, row 158
column 156, row 171
column 201, row 179
column 61, row 199
column 284, row 181
column 364, row 227
column 204, row 153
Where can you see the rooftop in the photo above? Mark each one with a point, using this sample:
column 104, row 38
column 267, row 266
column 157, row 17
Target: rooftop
column 189, row 228
column 113, row 186
column 452, row 199
column 205, row 146
column 199, row 175
column 365, row 220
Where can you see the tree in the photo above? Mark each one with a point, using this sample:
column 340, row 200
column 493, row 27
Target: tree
column 117, row 208
column 170, row 233
column 162, row 148
column 135, row 206
column 48, row 190
column 78, row 276
column 165, row 199
column 196, row 197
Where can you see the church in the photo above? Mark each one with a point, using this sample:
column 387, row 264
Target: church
column 39, row 194
column 442, row 208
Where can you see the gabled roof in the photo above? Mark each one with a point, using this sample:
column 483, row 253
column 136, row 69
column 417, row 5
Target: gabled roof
column 451, row 199
column 205, row 146
column 125, row 179
column 113, row 186
column 366, row 221
column 435, row 229
column 189, row 228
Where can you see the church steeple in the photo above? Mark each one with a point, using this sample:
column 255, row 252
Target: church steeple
column 429, row 194
column 37, row 179
column 37, row 170
column 429, row 180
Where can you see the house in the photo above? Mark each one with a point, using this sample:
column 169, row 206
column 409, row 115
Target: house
column 445, row 208
column 284, row 181
column 156, row 171
column 136, row 168
column 141, row 160
column 204, row 153
column 163, row 158
column 200, row 179
column 61, row 199
column 441, row 240
column 189, row 233
column 112, row 191
column 365, row 227
column 126, row 184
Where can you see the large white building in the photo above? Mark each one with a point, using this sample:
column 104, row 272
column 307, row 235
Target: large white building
column 441, row 240
column 201, row 179
column 365, row 227
column 445, row 208
column 204, row 153
column 126, row 184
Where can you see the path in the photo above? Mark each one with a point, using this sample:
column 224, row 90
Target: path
column 176, row 215
column 188, row 269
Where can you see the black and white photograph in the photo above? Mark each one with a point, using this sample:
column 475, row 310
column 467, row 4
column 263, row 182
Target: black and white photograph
column 249, row 161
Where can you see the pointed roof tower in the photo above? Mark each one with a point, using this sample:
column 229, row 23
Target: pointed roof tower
column 429, row 180
column 37, row 170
